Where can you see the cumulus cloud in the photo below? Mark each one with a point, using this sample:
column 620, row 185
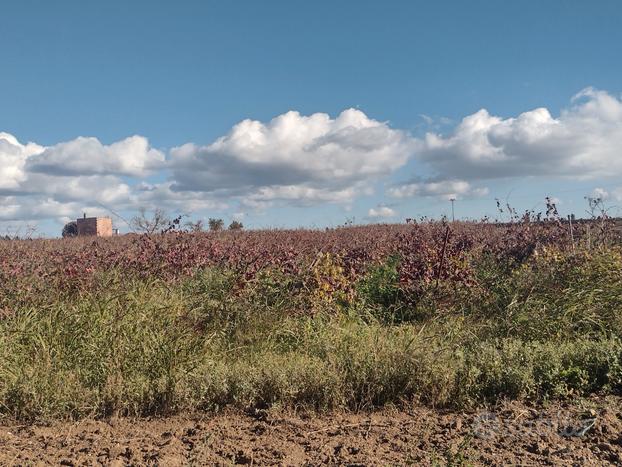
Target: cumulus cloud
column 161, row 195
column 88, row 156
column 600, row 193
column 105, row 189
column 445, row 189
column 301, row 160
column 383, row 212
column 607, row 195
column 293, row 157
column 584, row 141
column 13, row 156
column 17, row 208
column 301, row 195
column 54, row 182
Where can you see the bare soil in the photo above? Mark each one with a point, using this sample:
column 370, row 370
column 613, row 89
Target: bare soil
column 585, row 432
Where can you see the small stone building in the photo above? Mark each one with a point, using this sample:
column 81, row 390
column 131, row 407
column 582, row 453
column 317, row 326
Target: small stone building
column 97, row 226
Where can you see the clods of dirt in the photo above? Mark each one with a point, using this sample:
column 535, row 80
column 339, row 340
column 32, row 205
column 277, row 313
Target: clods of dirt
column 587, row 432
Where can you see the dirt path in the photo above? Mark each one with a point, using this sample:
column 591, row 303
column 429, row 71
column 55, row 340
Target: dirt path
column 586, row 433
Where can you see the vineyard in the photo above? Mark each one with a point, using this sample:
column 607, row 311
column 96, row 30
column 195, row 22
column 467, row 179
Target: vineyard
column 442, row 314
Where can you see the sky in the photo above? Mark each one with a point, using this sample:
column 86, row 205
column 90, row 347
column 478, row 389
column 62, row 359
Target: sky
column 312, row 114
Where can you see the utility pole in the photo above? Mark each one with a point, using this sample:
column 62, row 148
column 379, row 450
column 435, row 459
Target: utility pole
column 453, row 218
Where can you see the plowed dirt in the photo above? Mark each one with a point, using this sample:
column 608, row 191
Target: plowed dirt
column 575, row 433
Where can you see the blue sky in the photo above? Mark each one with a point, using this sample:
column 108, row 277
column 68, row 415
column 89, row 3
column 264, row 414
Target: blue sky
column 181, row 75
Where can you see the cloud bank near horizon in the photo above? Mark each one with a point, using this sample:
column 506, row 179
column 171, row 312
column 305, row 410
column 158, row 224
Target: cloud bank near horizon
column 297, row 160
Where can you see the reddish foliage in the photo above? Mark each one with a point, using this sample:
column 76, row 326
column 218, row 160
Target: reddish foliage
column 428, row 252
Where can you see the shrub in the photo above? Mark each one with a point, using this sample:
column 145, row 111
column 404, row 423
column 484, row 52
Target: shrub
column 215, row 225
column 70, row 229
column 352, row 317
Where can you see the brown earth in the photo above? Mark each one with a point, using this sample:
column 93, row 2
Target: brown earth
column 586, row 432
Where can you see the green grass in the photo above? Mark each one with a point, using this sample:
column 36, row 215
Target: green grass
column 547, row 329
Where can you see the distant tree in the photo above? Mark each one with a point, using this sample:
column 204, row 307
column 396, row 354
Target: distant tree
column 236, row 225
column 70, row 229
column 215, row 225
column 197, row 226
column 149, row 224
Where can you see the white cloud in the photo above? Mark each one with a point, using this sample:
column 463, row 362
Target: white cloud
column 600, row 193
column 293, row 157
column 18, row 208
column 238, row 216
column 583, row 142
column 607, row 195
column 93, row 188
column 87, row 156
column 445, row 189
column 13, row 156
column 303, row 195
column 302, row 160
column 384, row 212
column 66, row 187
column 185, row 202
